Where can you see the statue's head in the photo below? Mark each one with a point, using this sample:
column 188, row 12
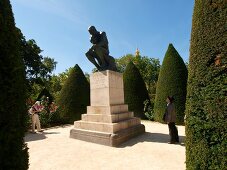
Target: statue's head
column 92, row 30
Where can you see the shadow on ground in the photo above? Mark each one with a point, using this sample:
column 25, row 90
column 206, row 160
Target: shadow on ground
column 37, row 136
column 151, row 137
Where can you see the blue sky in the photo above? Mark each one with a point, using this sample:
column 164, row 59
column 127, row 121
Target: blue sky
column 60, row 27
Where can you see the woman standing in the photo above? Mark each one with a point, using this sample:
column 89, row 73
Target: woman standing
column 171, row 119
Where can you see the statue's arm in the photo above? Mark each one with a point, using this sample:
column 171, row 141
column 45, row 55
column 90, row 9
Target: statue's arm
column 93, row 40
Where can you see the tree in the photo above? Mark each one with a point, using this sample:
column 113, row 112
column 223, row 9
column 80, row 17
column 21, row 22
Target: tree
column 123, row 61
column 48, row 65
column 206, row 111
column 55, row 85
column 148, row 68
column 74, row 96
column 38, row 68
column 13, row 150
column 30, row 52
column 56, row 82
column 44, row 94
column 172, row 81
column 135, row 90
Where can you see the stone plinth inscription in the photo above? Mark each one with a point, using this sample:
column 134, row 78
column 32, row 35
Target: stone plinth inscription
column 99, row 81
column 106, row 88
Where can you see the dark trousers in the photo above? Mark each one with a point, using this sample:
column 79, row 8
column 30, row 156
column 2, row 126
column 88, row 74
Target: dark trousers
column 173, row 132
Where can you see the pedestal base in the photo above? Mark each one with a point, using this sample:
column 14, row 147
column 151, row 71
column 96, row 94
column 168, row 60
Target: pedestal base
column 108, row 120
column 109, row 139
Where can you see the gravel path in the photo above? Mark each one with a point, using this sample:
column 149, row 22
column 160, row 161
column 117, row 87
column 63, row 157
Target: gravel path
column 54, row 150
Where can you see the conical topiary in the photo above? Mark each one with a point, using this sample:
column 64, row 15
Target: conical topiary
column 206, row 111
column 172, row 81
column 135, row 90
column 13, row 150
column 74, row 96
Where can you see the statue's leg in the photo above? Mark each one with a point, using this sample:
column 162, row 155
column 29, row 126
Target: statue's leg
column 111, row 63
column 98, row 58
column 101, row 53
column 91, row 57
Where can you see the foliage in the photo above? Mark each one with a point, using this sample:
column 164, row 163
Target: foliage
column 45, row 95
column 123, row 61
column 36, row 65
column 38, row 68
column 172, row 81
column 57, row 81
column 49, row 115
column 13, row 150
column 74, row 96
column 206, row 111
column 135, row 90
column 31, row 56
column 48, row 65
column 148, row 109
column 87, row 76
column 148, row 68
column 55, row 84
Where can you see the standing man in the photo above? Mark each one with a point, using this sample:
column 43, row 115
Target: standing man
column 171, row 119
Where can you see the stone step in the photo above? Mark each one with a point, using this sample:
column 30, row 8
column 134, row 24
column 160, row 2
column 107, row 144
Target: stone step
column 109, row 139
column 107, row 109
column 106, row 127
column 107, row 118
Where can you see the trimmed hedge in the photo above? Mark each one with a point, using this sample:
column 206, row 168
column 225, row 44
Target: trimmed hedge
column 135, row 90
column 206, row 111
column 13, row 150
column 172, row 81
column 74, row 96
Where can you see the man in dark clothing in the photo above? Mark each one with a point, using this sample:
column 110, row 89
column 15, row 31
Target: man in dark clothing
column 171, row 119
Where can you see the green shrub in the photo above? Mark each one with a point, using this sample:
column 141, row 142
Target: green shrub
column 74, row 96
column 13, row 150
column 55, row 119
column 44, row 118
column 148, row 109
column 49, row 119
column 172, row 81
column 135, row 90
column 206, row 111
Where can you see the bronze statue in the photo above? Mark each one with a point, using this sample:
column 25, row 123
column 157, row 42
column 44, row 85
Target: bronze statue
column 98, row 54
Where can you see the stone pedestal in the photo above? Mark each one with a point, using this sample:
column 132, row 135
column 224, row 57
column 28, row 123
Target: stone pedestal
column 108, row 120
